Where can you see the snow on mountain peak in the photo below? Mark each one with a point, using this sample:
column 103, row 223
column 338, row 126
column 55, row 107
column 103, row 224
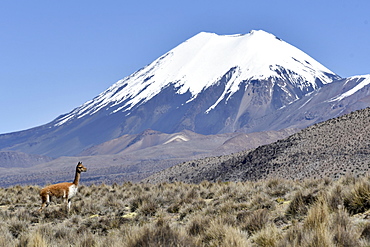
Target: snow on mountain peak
column 362, row 80
column 201, row 61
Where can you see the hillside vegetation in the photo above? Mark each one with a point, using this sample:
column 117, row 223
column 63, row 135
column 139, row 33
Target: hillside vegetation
column 329, row 149
column 273, row 212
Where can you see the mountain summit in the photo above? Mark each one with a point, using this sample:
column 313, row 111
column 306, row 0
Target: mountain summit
column 208, row 59
column 209, row 84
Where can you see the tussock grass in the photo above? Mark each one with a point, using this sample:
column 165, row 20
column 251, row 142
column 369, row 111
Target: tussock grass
column 274, row 212
column 269, row 236
column 357, row 198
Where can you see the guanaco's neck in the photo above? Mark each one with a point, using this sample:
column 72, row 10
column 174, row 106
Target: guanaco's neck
column 77, row 178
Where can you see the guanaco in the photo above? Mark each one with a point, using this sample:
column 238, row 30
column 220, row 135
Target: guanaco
column 64, row 190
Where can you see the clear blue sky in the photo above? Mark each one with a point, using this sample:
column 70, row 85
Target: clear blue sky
column 55, row 55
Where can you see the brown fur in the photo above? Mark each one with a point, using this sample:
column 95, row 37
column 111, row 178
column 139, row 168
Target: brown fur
column 64, row 190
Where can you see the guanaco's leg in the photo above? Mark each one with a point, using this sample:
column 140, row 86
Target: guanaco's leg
column 45, row 201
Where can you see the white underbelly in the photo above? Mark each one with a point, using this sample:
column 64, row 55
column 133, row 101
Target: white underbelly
column 72, row 191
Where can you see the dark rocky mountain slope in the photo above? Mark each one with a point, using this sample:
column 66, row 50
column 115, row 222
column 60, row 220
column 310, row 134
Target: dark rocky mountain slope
column 331, row 149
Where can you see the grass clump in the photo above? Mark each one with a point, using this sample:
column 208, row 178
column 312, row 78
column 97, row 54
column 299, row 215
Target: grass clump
column 357, row 199
column 299, row 205
column 256, row 220
column 159, row 233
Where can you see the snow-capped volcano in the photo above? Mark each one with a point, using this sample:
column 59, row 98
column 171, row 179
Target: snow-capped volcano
column 209, row 84
column 203, row 60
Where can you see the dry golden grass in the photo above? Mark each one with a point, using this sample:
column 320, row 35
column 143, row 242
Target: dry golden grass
column 273, row 212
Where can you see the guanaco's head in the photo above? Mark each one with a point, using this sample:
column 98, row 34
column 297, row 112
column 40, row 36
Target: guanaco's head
column 80, row 168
